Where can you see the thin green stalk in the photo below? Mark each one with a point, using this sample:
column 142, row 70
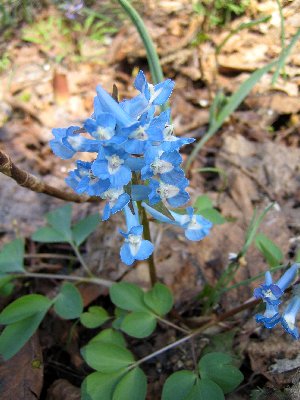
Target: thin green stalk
column 147, row 236
column 40, row 275
column 152, row 56
column 250, row 280
column 81, row 260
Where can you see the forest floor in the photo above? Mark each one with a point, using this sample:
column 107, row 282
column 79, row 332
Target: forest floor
column 49, row 81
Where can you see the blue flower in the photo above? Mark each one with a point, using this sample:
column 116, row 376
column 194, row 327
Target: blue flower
column 175, row 196
column 164, row 165
column 103, row 128
column 170, row 141
column 72, row 8
column 82, row 180
column 135, row 106
column 135, row 247
column 141, row 133
column 272, row 292
column 67, row 142
column 117, row 199
column 195, row 226
column 104, row 103
column 110, row 164
column 288, row 320
column 154, row 94
column 270, row 318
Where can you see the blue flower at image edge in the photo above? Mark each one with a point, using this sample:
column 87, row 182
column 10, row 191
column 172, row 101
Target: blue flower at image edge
column 272, row 292
column 289, row 316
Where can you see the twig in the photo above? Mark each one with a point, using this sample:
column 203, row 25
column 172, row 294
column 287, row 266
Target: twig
column 169, row 323
column 25, row 179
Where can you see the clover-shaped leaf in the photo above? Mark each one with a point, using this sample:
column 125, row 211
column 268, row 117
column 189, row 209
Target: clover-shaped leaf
column 218, row 368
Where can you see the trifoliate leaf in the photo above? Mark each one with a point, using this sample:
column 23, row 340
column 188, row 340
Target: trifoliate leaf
column 24, row 307
column 106, row 358
column 132, row 386
column 110, row 336
column 95, row 317
column 139, row 324
column 99, row 386
column 68, row 303
column 159, row 299
column 178, row 385
column 15, row 335
column 60, row 220
column 218, row 368
column 83, row 228
column 127, row 296
column 12, row 257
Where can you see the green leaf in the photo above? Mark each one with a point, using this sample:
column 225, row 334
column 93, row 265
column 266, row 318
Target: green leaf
column 159, row 299
column 178, row 385
column 120, row 315
column 24, row 307
column 297, row 259
column 15, row 335
column 218, row 367
column 213, row 216
column 139, row 324
column 253, row 227
column 221, row 342
column 127, row 296
column 106, row 358
column 95, row 317
column 82, row 229
column 60, row 220
column 203, row 202
column 12, row 257
column 68, row 304
column 269, row 250
column 110, row 336
column 205, row 389
column 99, row 386
column 5, row 280
column 132, row 386
column 7, row 288
column 47, row 234
column 283, row 56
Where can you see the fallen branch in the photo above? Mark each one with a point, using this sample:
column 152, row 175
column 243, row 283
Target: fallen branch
column 31, row 182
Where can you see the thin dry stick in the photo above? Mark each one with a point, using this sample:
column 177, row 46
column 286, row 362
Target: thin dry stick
column 31, row 182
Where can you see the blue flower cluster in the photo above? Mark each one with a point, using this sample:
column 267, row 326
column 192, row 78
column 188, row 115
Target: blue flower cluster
column 135, row 157
column 271, row 294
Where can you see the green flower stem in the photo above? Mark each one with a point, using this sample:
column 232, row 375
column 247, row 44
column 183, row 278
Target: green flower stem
column 81, row 260
column 152, row 56
column 147, row 236
column 38, row 275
